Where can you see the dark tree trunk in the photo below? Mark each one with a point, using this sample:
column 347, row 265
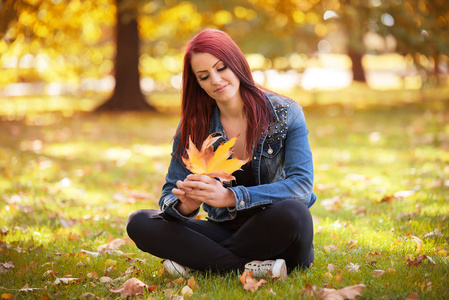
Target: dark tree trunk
column 127, row 95
column 358, row 73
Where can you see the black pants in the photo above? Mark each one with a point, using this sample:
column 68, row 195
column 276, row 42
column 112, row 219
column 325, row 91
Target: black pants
column 280, row 230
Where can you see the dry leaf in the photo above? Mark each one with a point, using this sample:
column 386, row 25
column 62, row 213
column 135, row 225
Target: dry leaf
column 65, row 280
column 89, row 296
column 7, row 296
column 105, row 279
column 351, row 243
column 94, row 254
column 249, row 283
column 418, row 241
column 131, row 287
column 328, row 275
column 353, row 267
column 73, row 237
column 26, row 288
column 214, row 164
column 378, row 273
column 403, row 194
column 112, row 247
column 330, row 248
column 92, row 275
column 349, row 292
column 333, row 204
column 330, row 267
column 186, row 291
column 4, row 267
column 192, row 283
column 308, row 291
column 419, row 260
column 179, row 281
column 412, row 296
column 436, row 232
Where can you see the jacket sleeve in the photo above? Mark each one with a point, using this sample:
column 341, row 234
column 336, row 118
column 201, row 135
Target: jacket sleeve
column 176, row 171
column 297, row 182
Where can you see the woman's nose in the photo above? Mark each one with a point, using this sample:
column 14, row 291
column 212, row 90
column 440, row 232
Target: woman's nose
column 216, row 78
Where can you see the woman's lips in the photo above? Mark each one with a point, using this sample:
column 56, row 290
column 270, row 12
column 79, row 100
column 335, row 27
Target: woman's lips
column 221, row 89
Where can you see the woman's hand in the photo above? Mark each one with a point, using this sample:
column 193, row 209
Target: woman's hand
column 187, row 204
column 202, row 188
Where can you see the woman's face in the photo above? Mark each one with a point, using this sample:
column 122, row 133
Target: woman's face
column 215, row 78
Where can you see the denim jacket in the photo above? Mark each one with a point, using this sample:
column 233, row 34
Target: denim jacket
column 281, row 163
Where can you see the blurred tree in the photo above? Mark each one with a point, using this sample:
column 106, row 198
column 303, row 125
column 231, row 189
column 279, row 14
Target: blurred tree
column 127, row 95
column 51, row 41
column 354, row 18
column 421, row 30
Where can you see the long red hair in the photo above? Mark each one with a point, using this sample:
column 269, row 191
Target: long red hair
column 197, row 106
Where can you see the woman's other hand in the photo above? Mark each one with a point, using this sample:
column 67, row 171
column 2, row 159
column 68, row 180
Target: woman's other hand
column 187, row 204
column 202, row 188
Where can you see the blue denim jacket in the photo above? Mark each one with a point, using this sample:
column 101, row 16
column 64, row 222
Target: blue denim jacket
column 282, row 164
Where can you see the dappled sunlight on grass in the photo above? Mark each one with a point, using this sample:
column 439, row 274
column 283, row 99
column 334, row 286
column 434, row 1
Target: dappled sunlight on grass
column 69, row 183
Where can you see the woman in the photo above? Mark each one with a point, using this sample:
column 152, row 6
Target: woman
column 261, row 220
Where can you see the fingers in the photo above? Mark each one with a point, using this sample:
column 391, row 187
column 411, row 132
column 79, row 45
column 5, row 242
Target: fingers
column 180, row 184
column 202, row 178
column 178, row 192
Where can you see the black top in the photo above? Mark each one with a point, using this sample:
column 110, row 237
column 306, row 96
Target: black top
column 244, row 176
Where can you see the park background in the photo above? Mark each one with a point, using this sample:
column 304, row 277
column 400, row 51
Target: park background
column 89, row 102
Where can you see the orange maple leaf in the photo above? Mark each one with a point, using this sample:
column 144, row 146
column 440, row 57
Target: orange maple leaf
column 214, row 164
column 249, row 283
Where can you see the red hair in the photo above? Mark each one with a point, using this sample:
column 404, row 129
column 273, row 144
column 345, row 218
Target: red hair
column 197, row 106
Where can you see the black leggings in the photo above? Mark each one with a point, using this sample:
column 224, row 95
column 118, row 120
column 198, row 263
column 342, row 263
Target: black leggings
column 280, row 230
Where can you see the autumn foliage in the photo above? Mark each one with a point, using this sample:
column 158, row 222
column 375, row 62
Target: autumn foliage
column 214, row 164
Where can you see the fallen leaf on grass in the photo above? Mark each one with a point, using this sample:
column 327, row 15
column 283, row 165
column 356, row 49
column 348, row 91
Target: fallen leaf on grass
column 105, row 279
column 436, row 232
column 132, row 287
column 249, row 283
column 330, row 267
column 89, row 296
column 26, row 288
column 94, row 254
column 330, row 248
column 404, row 194
column 353, row 267
column 419, row 260
column 349, row 292
column 187, row 291
column 4, row 267
column 378, row 273
column 308, row 291
column 92, row 275
column 112, row 247
column 7, row 296
column 333, row 204
column 214, row 164
column 65, row 280
column 418, row 241
column 192, row 283
column 412, row 296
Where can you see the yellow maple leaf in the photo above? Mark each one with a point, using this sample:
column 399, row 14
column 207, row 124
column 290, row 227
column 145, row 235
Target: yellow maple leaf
column 214, row 164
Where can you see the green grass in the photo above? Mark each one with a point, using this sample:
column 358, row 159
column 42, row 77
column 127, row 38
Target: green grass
column 85, row 168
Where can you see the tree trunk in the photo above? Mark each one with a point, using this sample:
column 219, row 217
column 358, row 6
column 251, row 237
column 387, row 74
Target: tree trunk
column 127, row 95
column 358, row 73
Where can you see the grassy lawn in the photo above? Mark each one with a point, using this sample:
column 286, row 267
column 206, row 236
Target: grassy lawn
column 68, row 182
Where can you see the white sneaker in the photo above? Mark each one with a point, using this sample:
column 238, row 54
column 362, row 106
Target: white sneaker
column 268, row 268
column 174, row 268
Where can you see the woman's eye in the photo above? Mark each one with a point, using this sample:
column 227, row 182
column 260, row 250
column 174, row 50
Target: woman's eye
column 222, row 68
column 204, row 78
